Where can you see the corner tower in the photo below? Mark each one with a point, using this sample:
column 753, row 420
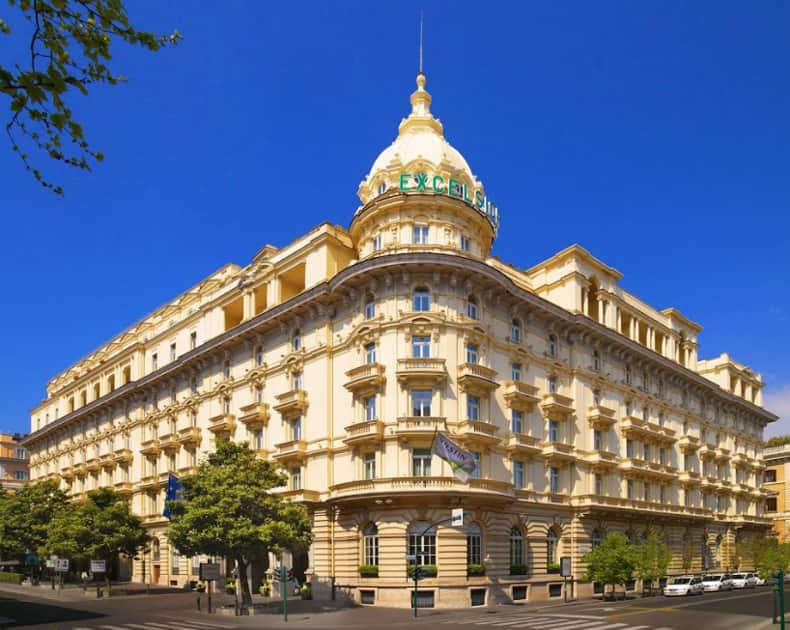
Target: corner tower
column 420, row 194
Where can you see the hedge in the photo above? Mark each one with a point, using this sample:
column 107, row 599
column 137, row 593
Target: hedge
column 13, row 578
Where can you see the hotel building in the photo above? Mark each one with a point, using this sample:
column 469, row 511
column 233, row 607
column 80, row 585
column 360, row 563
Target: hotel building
column 340, row 355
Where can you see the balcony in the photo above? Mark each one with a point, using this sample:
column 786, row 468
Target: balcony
column 419, row 426
column 93, row 464
column 634, row 467
column 421, row 371
column 187, row 470
column 557, row 406
column 364, row 433
column 595, row 503
column 222, row 425
column 149, row 482
column 189, row 436
column 740, row 460
column 254, row 416
column 169, row 442
column 107, row 461
column 601, row 460
column 363, row 490
column 520, row 396
column 291, row 403
column 478, row 432
column 724, row 486
column 124, row 487
column 300, row 496
column 757, row 465
column 291, row 450
column 67, row 473
column 708, row 482
column 600, row 418
column 707, row 451
column 722, row 455
column 365, row 379
column 688, row 443
column 476, row 379
column 81, row 470
column 637, row 428
column 122, row 456
column 150, row 447
column 689, row 477
column 750, row 519
column 521, row 445
column 557, row 453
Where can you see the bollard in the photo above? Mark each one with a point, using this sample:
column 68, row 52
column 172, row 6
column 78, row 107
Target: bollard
column 198, row 602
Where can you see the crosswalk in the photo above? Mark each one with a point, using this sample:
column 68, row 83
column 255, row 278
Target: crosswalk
column 158, row 625
column 538, row 621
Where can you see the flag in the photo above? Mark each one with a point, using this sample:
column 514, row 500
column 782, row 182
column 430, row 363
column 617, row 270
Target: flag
column 461, row 462
column 174, row 492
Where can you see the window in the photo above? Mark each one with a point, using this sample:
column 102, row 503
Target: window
column 465, row 244
column 422, row 543
column 193, row 385
column 226, row 406
column 173, row 351
column 296, row 428
column 597, row 440
column 370, row 544
column 518, row 474
column 646, row 491
column 369, row 465
column 21, row 453
column 258, row 439
column 192, row 420
column 421, row 347
column 770, row 504
column 421, row 299
column 175, row 560
column 154, row 362
column 628, row 408
column 598, row 484
column 770, row 475
column 629, row 488
column 595, row 538
column 554, row 480
column 552, row 346
column 421, row 402
column 516, row 421
column 296, row 380
column 596, row 397
column 645, row 381
column 296, row 340
column 474, row 544
column 473, row 408
column 296, row 478
column 370, row 408
column 629, row 447
column 171, row 462
column 259, row 356
column 646, row 452
column 662, row 455
column 421, row 462
column 552, row 384
column 554, row 431
column 226, row 369
column 515, row 330
column 475, row 474
column 662, row 493
column 381, row 190
column 173, row 394
column 419, row 234
column 645, row 414
column 552, row 541
column 596, row 365
column 259, row 394
column 515, row 371
column 20, row 475
column 472, row 353
column 471, row 307
column 377, row 242
column 516, row 546
column 628, row 376
column 370, row 353
column 192, row 340
column 370, row 307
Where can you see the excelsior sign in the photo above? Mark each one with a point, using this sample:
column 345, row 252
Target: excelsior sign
column 423, row 182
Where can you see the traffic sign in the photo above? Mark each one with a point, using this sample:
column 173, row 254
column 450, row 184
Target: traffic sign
column 457, row 517
column 62, row 565
column 209, row 571
column 565, row 566
column 98, row 566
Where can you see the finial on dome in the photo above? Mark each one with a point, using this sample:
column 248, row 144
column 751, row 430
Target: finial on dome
column 420, row 42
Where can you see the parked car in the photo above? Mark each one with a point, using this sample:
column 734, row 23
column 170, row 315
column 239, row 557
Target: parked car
column 743, row 580
column 684, row 585
column 760, row 581
column 717, row 582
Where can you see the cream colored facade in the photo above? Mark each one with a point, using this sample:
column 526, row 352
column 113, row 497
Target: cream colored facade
column 340, row 355
column 775, row 477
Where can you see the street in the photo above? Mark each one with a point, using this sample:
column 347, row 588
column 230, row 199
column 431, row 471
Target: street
column 744, row 610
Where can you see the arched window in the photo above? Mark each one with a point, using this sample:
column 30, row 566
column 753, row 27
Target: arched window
column 517, row 564
column 552, row 345
column 370, row 306
column 370, row 545
column 595, row 538
column 552, row 542
column 474, row 544
column 422, row 543
column 422, row 299
column 296, row 340
column 471, row 307
column 515, row 330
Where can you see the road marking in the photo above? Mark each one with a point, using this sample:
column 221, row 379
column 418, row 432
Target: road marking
column 114, row 627
column 505, row 622
column 199, row 623
column 571, row 625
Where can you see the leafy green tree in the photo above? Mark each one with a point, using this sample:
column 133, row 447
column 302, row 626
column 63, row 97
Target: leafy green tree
column 68, row 45
column 770, row 556
column 612, row 562
column 102, row 528
column 228, row 510
column 652, row 557
column 26, row 516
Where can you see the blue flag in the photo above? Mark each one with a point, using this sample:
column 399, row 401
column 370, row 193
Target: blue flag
column 461, row 462
column 174, row 492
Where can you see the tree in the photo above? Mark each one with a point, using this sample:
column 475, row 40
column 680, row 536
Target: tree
column 69, row 47
column 26, row 516
column 611, row 562
column 652, row 557
column 102, row 528
column 770, row 556
column 228, row 510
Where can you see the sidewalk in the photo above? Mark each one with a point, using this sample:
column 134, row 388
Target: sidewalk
column 74, row 592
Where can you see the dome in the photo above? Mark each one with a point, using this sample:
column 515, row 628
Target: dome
column 420, row 145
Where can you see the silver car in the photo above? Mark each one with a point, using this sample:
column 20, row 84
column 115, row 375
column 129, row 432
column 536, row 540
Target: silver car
column 717, row 582
column 684, row 585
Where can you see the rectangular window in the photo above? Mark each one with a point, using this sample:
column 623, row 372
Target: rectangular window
column 516, row 421
column 377, row 242
column 629, row 488
column 597, row 440
column 472, row 353
column 662, row 494
column 421, row 347
column 21, row 453
column 554, row 431
column 296, row 380
column 646, row 491
column 422, row 300
column 154, row 362
column 598, row 484
column 296, row 478
column 475, row 474
column 20, row 475
column 192, row 340
column 258, row 439
column 662, row 456
column 370, row 309
column 423, row 548
column 173, row 351
column 369, row 465
column 518, row 474
column 465, row 244
column 554, row 480
column 296, row 428
column 421, row 462
column 770, row 504
column 473, row 407
column 419, row 234
column 421, row 402
column 259, row 356
column 515, row 372
column 370, row 353
column 646, row 450
column 629, row 447
column 370, row 408
column 552, row 385
column 770, row 475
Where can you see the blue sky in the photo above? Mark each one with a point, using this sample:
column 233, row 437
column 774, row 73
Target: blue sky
column 655, row 134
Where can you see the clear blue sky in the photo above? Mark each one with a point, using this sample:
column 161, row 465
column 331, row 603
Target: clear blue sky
column 656, row 134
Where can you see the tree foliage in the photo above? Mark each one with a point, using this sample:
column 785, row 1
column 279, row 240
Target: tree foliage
column 769, row 556
column 70, row 46
column 778, row 440
column 26, row 516
column 611, row 562
column 652, row 557
column 228, row 509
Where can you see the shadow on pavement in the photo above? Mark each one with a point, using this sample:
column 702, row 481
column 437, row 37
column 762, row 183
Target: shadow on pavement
column 33, row 613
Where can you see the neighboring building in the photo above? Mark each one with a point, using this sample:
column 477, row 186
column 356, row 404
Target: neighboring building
column 340, row 355
column 777, row 506
column 14, row 471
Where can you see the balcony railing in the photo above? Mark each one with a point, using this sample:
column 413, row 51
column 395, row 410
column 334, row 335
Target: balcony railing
column 292, row 402
column 190, row 435
column 557, row 453
column 707, row 451
column 557, row 406
column 417, row 426
column 688, row 443
column 689, row 477
column 522, row 446
column 601, row 460
column 123, row 487
column 478, row 431
column 150, row 447
column 421, row 370
column 293, row 449
column 476, row 379
column 607, row 503
column 107, row 461
column 169, row 442
column 520, row 396
column 368, row 377
column 222, row 424
column 254, row 416
column 364, row 432
column 390, row 486
column 600, row 418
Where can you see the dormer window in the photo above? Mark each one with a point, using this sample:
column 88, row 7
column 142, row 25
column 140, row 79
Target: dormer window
column 471, row 307
column 382, row 188
column 419, row 234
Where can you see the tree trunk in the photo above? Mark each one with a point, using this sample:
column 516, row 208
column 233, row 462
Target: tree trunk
column 246, row 596
column 107, row 582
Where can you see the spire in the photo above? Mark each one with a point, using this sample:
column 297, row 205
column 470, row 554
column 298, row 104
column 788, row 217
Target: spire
column 420, row 116
column 420, row 41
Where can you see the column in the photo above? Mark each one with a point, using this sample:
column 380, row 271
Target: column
column 619, row 319
column 585, row 298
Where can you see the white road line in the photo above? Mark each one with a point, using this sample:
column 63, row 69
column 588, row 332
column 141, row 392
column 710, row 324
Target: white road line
column 115, row 627
column 166, row 626
column 508, row 621
column 589, row 625
column 612, row 625
column 200, row 623
column 574, row 624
